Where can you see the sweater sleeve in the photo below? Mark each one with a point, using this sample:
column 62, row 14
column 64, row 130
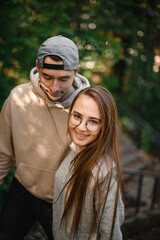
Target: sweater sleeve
column 107, row 215
column 6, row 145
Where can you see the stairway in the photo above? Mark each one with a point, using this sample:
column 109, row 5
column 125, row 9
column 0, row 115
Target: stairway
column 146, row 218
column 131, row 157
column 140, row 162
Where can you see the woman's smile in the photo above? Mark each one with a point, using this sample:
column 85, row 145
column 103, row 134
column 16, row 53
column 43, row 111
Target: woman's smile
column 81, row 135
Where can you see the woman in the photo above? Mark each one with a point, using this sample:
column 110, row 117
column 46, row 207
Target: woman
column 88, row 186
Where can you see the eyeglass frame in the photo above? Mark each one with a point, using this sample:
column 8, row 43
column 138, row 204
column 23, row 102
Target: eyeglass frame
column 81, row 122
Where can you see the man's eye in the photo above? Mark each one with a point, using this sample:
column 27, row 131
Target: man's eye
column 47, row 78
column 64, row 80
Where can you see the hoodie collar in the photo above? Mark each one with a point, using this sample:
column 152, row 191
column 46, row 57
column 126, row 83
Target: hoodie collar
column 79, row 83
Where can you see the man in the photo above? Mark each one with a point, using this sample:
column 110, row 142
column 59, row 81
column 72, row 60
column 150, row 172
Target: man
column 34, row 136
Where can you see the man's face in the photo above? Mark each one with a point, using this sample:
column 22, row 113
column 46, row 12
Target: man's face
column 55, row 83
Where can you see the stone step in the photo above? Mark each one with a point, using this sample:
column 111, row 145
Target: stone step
column 138, row 167
column 126, row 145
column 126, row 149
column 129, row 159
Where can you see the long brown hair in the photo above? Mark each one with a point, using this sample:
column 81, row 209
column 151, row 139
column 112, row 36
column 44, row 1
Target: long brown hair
column 105, row 147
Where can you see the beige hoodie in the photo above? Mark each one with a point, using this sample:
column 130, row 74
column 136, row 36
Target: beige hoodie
column 34, row 136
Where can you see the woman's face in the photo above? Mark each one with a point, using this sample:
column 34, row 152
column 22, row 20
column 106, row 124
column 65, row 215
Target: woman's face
column 85, row 112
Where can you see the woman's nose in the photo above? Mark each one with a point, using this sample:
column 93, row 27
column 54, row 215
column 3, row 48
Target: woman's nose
column 82, row 126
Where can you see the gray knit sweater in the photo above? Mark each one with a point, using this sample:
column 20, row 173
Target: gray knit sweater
column 91, row 203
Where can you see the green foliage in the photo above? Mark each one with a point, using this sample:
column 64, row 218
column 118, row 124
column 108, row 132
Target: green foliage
column 111, row 82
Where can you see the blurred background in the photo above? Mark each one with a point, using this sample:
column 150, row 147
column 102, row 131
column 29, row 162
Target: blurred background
column 119, row 46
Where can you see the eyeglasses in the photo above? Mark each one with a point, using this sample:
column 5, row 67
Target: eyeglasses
column 91, row 125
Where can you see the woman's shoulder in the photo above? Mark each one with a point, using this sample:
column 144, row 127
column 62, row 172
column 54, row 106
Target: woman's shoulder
column 103, row 168
column 73, row 148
